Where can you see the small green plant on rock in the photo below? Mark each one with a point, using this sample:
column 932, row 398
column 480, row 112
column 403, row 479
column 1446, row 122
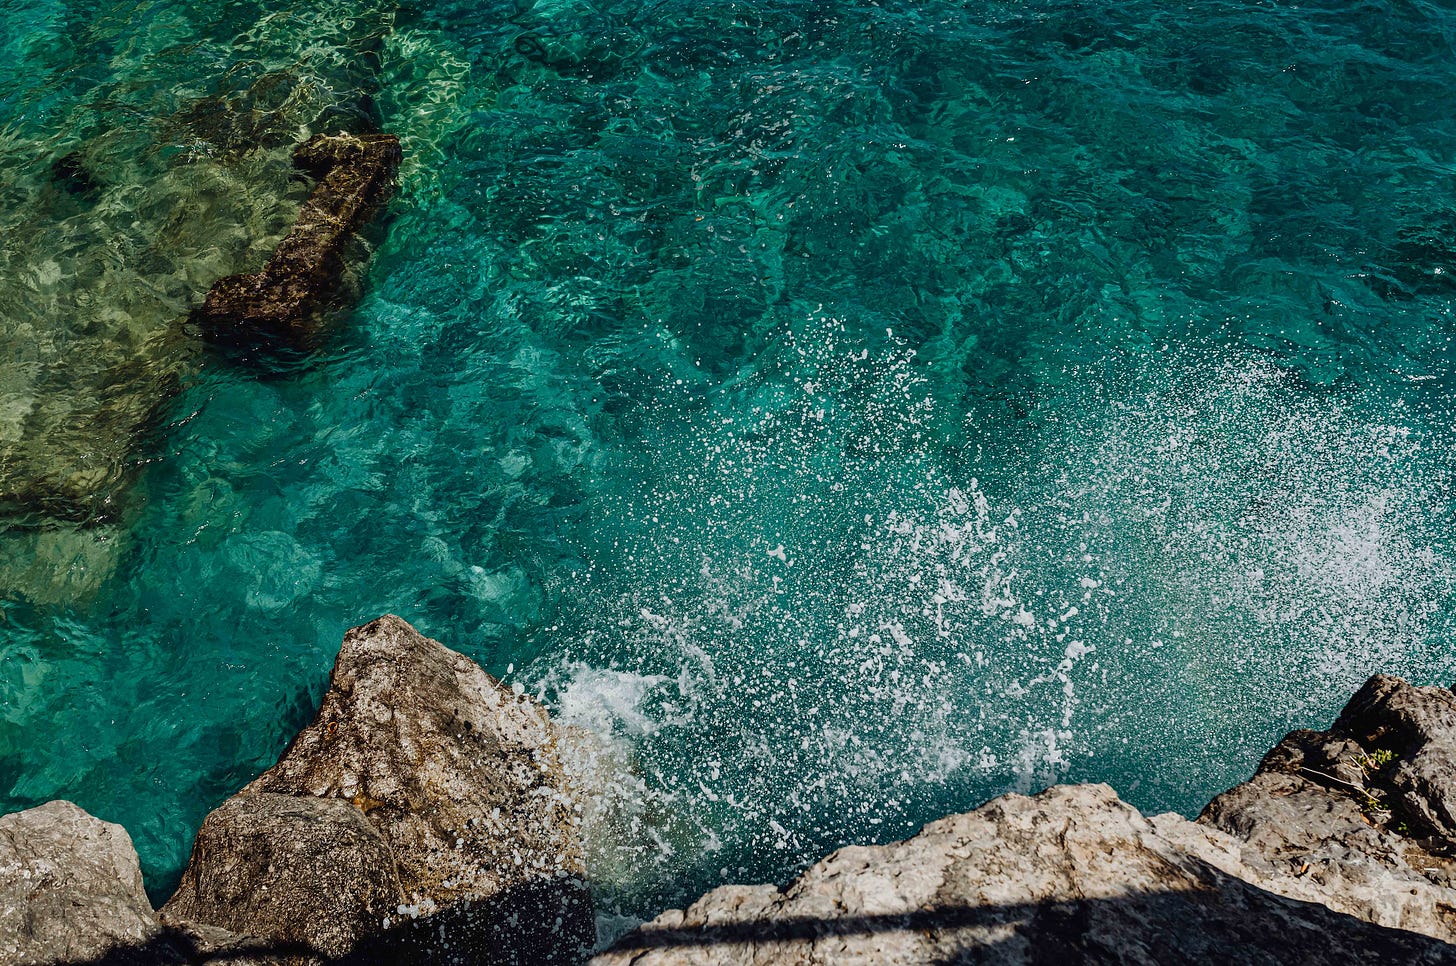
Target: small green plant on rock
column 1373, row 807
column 1372, row 803
column 1378, row 759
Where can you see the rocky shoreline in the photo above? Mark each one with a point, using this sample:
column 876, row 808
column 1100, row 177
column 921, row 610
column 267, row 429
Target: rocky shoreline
column 424, row 817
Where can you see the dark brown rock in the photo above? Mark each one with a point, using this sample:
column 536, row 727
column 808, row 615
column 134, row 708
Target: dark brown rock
column 1417, row 727
column 285, row 303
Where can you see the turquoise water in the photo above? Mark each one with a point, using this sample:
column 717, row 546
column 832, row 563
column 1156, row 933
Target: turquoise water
column 840, row 413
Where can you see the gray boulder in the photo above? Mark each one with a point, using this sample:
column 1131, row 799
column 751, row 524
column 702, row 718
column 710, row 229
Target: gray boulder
column 71, row 894
column 424, row 818
column 70, row 887
column 311, row 873
column 423, row 788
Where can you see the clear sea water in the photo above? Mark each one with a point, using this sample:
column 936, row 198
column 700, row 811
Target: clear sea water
column 841, row 412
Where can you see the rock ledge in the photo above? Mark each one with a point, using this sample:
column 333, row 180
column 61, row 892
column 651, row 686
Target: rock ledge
column 1339, row 849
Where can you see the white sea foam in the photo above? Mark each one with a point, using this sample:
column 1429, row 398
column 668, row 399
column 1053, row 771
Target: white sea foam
column 810, row 631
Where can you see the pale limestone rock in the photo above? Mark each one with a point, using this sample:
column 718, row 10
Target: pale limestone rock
column 1073, row 875
column 70, row 887
column 458, row 778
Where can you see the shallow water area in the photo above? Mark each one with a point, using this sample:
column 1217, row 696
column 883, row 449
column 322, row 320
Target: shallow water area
column 840, row 413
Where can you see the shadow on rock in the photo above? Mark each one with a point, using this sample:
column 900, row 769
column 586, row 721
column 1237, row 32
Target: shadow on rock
column 423, row 817
column 178, row 947
column 1256, row 927
column 1171, row 927
column 534, row 924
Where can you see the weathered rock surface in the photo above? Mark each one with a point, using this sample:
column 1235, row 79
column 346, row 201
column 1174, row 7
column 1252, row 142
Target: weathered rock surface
column 457, row 772
column 311, row 873
column 284, row 303
column 1362, row 813
column 422, row 818
column 70, row 887
column 1072, row 875
column 1340, row 848
column 423, row 785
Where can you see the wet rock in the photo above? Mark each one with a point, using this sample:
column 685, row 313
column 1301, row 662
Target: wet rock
column 1072, row 875
column 250, row 110
column 70, row 887
column 60, row 563
column 456, row 778
column 285, row 303
column 1363, row 811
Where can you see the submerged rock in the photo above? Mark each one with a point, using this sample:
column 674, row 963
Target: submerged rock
column 71, row 175
column 431, row 801
column 126, row 196
column 93, row 299
column 285, row 302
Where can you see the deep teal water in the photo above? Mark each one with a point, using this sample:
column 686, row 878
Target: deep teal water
column 842, row 412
